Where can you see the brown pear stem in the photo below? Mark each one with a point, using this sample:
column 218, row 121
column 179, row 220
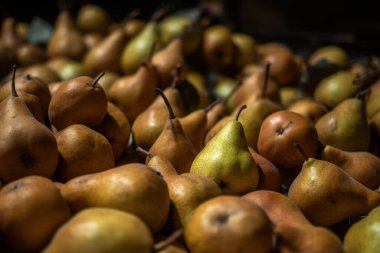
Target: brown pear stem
column 144, row 152
column 266, row 79
column 14, row 92
column 176, row 74
column 298, row 146
column 167, row 103
column 97, row 78
column 362, row 94
column 168, row 241
column 212, row 105
column 239, row 111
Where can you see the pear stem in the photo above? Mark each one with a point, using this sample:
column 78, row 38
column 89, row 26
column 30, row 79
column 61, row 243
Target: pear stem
column 28, row 77
column 144, row 152
column 97, row 78
column 239, row 111
column 168, row 241
column 167, row 103
column 362, row 94
column 177, row 72
column 266, row 79
column 14, row 92
column 298, row 146
column 212, row 105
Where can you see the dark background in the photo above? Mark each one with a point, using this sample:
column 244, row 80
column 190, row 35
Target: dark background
column 303, row 24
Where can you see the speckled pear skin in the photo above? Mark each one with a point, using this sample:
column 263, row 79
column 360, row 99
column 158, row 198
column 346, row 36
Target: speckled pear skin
column 226, row 160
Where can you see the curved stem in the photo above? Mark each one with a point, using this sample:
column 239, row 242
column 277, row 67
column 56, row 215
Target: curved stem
column 298, row 146
column 212, row 105
column 97, row 78
column 14, row 92
column 168, row 241
column 144, row 152
column 170, row 109
column 266, row 79
column 239, row 111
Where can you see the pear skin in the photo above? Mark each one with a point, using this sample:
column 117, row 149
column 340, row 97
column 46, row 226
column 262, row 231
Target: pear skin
column 194, row 126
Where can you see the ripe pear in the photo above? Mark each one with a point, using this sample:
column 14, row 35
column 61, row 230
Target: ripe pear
column 351, row 133
column 277, row 134
column 133, row 27
column 31, row 210
column 216, row 112
column 34, row 105
column 29, row 54
column 66, row 40
column 42, row 72
column 107, row 80
column 288, row 95
column 362, row 166
column 135, row 188
column 246, row 49
column 224, row 86
column 165, row 60
column 106, row 55
column 364, row 236
column 372, row 100
column 173, row 143
column 134, row 93
column 102, row 230
column 326, row 194
column 139, row 48
column 27, row 147
column 72, row 70
column 194, row 127
column 81, row 151
column 116, row 128
column 199, row 83
column 93, row 18
column 92, row 39
column 309, row 108
column 149, row 124
column 228, row 224
column 331, row 54
column 9, row 37
column 78, row 101
column 215, row 129
column 337, row 87
column 171, row 27
column 227, row 160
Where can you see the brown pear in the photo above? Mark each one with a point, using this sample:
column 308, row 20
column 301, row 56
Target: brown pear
column 149, row 124
column 93, row 18
column 66, row 39
column 362, row 166
column 9, row 37
column 309, row 108
column 78, row 101
column 173, row 143
column 134, row 93
column 326, row 194
column 27, row 147
column 42, row 72
column 135, row 188
column 106, row 55
column 165, row 60
column 194, row 126
column 31, row 210
column 277, row 134
column 34, row 105
column 29, row 54
column 82, row 151
column 92, row 39
column 116, row 128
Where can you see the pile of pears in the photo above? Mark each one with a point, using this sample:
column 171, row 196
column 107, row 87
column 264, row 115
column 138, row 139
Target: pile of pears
column 180, row 135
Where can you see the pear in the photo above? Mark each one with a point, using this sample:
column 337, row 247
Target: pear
column 172, row 27
column 352, row 133
column 66, row 40
column 331, row 54
column 337, row 87
column 82, row 151
column 134, row 93
column 135, row 188
column 246, row 49
column 362, row 166
column 288, row 95
column 226, row 160
column 199, row 83
column 9, row 37
column 165, row 60
column 106, row 55
column 42, row 72
column 34, row 105
column 139, row 48
column 172, row 143
column 107, row 80
column 228, row 224
column 216, row 112
column 93, row 18
column 92, row 39
column 27, row 146
column 224, row 87
column 310, row 108
column 277, row 134
column 78, row 101
column 215, row 129
column 72, row 70
column 326, row 194
column 372, row 99
column 29, row 54
column 149, row 124
column 133, row 27
column 194, row 127
column 363, row 236
column 31, row 210
column 106, row 230
column 116, row 128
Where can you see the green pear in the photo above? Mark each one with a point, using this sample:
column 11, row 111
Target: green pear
column 337, row 87
column 373, row 100
column 364, row 236
column 102, row 230
column 227, row 160
column 171, row 27
column 331, row 54
column 345, row 127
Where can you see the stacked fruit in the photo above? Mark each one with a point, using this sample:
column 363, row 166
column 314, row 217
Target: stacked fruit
column 190, row 138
